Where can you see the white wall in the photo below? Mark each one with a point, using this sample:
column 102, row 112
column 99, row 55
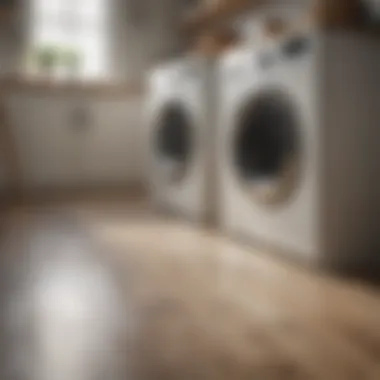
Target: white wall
column 144, row 31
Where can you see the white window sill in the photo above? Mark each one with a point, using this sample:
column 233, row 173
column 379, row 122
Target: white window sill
column 103, row 87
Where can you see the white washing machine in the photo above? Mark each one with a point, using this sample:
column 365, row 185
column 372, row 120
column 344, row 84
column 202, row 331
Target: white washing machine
column 180, row 125
column 299, row 129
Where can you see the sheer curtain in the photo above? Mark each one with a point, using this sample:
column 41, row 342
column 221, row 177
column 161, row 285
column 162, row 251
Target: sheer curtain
column 79, row 25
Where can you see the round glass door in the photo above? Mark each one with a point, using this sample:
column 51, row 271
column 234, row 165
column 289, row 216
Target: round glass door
column 173, row 141
column 266, row 148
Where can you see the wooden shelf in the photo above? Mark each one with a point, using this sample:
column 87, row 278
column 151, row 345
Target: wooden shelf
column 215, row 42
column 326, row 14
column 212, row 17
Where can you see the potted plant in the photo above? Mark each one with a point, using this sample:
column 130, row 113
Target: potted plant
column 47, row 58
column 71, row 61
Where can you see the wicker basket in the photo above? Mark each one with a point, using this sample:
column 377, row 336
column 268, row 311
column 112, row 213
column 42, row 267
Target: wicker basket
column 338, row 13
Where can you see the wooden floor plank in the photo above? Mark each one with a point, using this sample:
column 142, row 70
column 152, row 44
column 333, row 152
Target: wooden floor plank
column 204, row 307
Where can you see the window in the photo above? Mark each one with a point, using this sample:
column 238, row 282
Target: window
column 70, row 35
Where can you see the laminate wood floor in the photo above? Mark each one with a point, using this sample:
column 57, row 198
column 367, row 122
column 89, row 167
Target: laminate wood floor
column 199, row 306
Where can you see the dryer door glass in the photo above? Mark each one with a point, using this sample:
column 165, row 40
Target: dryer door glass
column 266, row 148
column 173, row 141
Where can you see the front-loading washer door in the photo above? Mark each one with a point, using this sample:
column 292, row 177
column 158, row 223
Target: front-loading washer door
column 266, row 146
column 173, row 142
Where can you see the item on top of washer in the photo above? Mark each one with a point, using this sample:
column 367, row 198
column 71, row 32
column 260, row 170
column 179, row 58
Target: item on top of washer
column 342, row 14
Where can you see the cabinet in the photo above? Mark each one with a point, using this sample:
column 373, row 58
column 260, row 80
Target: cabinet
column 111, row 153
column 57, row 153
column 48, row 149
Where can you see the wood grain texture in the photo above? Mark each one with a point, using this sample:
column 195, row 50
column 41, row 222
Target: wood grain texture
column 204, row 307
